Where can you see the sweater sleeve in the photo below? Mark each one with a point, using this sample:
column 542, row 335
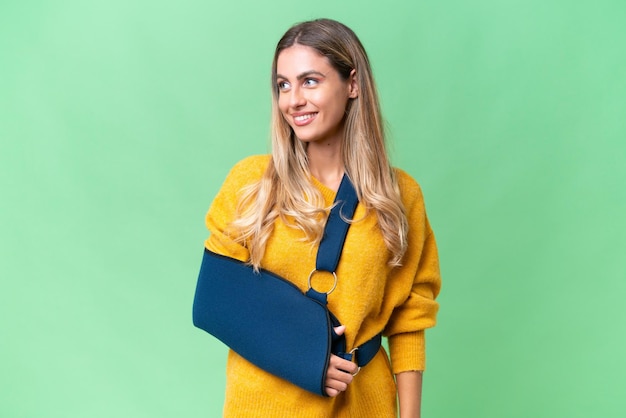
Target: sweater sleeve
column 405, row 329
column 223, row 209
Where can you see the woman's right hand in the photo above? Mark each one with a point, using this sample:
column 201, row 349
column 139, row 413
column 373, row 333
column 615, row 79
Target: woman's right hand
column 340, row 371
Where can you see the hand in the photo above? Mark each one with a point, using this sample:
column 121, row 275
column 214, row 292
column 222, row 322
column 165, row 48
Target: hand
column 340, row 372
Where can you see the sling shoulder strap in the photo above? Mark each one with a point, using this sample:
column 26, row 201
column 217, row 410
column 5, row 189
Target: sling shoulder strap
column 337, row 226
column 329, row 253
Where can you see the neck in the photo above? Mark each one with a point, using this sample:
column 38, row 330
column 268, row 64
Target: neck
column 326, row 164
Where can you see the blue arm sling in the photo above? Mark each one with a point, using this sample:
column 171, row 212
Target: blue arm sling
column 267, row 319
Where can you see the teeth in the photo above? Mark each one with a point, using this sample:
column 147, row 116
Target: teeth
column 304, row 117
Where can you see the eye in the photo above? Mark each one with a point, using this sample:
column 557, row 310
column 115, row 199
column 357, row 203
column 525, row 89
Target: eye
column 310, row 82
column 283, row 85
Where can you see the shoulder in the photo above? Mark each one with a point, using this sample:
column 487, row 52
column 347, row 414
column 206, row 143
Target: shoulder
column 244, row 173
column 410, row 190
column 413, row 201
column 254, row 165
column 247, row 171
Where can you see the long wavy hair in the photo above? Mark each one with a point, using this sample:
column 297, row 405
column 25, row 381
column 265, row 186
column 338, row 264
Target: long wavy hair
column 285, row 191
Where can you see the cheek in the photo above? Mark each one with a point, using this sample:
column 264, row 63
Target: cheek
column 337, row 107
column 283, row 103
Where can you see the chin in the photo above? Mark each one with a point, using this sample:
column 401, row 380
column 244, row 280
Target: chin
column 308, row 140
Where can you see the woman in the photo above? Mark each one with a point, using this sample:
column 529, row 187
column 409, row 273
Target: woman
column 271, row 210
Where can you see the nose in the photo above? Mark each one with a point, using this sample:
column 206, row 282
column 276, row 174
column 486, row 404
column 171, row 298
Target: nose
column 297, row 99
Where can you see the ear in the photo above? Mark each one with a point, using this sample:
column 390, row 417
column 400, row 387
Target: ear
column 353, row 86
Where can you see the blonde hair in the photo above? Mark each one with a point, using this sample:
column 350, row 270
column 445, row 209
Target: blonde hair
column 285, row 190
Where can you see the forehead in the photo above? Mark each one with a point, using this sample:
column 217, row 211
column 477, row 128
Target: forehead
column 298, row 59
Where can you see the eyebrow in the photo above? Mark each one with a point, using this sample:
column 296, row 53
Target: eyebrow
column 303, row 75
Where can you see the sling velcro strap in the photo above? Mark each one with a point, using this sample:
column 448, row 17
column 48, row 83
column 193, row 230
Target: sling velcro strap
column 364, row 353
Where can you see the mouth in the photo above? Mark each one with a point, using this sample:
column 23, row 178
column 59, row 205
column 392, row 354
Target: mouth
column 303, row 119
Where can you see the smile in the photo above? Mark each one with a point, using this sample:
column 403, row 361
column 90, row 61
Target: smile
column 301, row 120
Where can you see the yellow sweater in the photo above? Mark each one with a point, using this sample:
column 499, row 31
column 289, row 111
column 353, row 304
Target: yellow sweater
column 370, row 297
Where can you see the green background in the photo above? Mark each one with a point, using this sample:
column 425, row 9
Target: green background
column 119, row 120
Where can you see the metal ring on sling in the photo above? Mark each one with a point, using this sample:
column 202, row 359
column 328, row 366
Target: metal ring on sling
column 334, row 284
column 353, row 352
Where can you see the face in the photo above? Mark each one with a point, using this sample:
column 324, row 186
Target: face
column 312, row 96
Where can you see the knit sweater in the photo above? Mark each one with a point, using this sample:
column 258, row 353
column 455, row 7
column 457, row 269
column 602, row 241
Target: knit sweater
column 370, row 296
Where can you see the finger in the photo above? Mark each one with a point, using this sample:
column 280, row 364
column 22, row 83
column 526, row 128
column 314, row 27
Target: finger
column 338, row 381
column 332, row 392
column 336, row 385
column 340, row 329
column 340, row 375
column 342, row 365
